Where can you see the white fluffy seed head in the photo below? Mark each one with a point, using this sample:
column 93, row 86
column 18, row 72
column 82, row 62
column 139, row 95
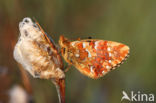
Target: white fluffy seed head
column 29, row 29
column 35, row 53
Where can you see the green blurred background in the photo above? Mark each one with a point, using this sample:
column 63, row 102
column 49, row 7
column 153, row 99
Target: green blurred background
column 132, row 22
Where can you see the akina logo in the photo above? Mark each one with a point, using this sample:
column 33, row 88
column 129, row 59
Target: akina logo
column 138, row 96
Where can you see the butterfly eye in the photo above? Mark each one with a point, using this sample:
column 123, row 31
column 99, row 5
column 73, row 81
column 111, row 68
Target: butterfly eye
column 64, row 50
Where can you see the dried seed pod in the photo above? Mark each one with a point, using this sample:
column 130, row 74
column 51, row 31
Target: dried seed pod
column 36, row 52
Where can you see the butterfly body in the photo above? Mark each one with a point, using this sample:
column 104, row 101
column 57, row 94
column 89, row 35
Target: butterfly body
column 36, row 53
column 92, row 57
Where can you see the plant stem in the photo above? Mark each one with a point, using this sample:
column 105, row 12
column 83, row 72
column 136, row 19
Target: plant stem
column 60, row 87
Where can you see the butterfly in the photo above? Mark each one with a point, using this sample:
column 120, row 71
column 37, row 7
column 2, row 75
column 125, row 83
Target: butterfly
column 36, row 51
column 93, row 58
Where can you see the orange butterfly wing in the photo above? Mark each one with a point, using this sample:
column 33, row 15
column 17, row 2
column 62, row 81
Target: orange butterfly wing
column 95, row 58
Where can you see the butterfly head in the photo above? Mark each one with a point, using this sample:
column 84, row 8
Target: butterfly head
column 65, row 47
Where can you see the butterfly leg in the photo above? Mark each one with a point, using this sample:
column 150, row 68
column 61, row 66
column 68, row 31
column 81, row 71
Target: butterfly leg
column 67, row 68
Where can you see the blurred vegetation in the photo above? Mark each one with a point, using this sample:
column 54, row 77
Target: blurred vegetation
column 132, row 22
